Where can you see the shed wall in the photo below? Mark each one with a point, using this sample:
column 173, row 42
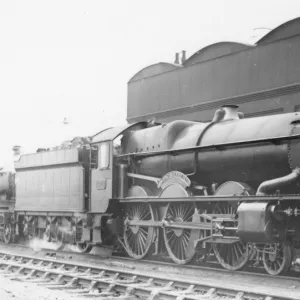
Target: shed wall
column 263, row 72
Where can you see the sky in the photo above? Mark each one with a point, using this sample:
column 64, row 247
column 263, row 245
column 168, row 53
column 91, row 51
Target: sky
column 73, row 58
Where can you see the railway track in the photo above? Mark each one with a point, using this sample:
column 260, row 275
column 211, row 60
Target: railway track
column 104, row 281
column 184, row 269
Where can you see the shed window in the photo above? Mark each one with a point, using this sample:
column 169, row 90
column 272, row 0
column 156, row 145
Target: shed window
column 104, row 155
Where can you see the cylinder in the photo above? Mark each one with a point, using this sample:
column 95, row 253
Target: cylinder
column 256, row 223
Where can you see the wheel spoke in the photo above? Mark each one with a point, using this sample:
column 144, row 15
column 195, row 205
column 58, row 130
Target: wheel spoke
column 279, row 260
column 180, row 210
column 138, row 239
column 230, row 256
column 177, row 210
column 171, row 235
column 142, row 240
column 182, row 250
column 145, row 215
column 139, row 212
column 235, row 251
column 188, row 214
column 177, row 239
column 185, row 238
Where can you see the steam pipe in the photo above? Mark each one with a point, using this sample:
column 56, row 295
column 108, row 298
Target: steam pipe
column 276, row 183
column 226, row 112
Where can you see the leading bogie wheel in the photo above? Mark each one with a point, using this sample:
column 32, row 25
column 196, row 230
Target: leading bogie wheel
column 277, row 258
column 232, row 256
column 138, row 238
column 59, row 238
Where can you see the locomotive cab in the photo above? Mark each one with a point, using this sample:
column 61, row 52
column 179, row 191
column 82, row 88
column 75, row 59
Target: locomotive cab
column 101, row 176
column 103, row 172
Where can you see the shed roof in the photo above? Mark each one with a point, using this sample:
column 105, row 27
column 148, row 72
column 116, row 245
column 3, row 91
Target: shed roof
column 214, row 51
column 154, row 69
column 284, row 30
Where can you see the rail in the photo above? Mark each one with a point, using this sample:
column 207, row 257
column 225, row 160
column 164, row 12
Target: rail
column 115, row 282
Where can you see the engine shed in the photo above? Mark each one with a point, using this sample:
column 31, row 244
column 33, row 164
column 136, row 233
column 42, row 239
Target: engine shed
column 263, row 79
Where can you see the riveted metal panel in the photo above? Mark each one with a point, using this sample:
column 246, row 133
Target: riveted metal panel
column 50, row 189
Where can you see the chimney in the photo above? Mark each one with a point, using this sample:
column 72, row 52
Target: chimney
column 176, row 59
column 231, row 112
column 183, row 57
column 16, row 152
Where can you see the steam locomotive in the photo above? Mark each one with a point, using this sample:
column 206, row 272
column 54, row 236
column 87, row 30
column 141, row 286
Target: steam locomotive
column 182, row 189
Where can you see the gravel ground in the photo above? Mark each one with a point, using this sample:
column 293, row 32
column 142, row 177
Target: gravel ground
column 15, row 290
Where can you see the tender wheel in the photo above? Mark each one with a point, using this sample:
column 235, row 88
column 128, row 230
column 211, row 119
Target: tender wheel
column 277, row 258
column 138, row 239
column 83, row 247
column 47, row 234
column 235, row 255
column 59, row 238
column 177, row 239
column 25, row 231
column 7, row 234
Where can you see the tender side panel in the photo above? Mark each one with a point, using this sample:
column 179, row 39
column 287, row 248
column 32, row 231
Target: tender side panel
column 50, row 189
column 47, row 158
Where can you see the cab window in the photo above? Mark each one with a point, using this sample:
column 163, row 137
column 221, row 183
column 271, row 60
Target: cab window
column 104, row 155
column 117, row 145
column 94, row 157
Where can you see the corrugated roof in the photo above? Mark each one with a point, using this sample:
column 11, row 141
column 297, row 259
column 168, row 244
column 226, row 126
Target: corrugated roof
column 282, row 31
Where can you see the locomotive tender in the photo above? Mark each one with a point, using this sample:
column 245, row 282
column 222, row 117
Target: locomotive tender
column 229, row 186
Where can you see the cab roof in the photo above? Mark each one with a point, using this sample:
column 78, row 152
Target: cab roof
column 109, row 134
